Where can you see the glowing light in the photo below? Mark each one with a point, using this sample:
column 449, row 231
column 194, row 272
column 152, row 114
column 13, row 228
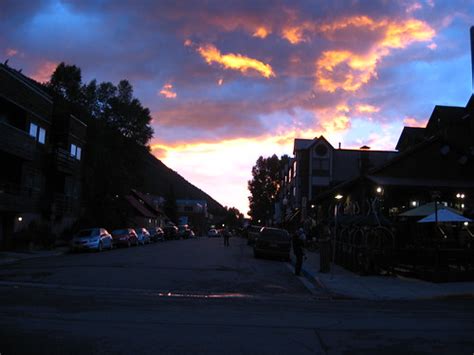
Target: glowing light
column 20, row 219
column 338, row 196
column 379, row 190
column 414, row 203
column 235, row 61
column 167, row 91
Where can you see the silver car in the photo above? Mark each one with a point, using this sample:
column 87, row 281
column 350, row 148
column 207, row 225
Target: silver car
column 143, row 236
column 92, row 239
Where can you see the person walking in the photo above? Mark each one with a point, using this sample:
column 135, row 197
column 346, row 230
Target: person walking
column 298, row 244
column 226, row 237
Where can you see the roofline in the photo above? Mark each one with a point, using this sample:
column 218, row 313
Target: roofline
column 25, row 80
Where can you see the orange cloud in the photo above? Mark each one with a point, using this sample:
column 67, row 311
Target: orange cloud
column 261, row 32
column 44, row 71
column 364, row 108
column 234, row 61
column 413, row 122
column 167, row 91
column 349, row 71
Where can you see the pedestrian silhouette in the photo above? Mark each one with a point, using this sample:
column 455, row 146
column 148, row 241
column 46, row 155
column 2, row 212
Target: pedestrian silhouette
column 226, row 237
column 298, row 243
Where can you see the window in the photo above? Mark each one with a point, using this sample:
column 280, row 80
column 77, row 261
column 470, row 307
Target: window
column 33, row 130
column 38, row 133
column 76, row 151
column 42, row 135
column 73, row 150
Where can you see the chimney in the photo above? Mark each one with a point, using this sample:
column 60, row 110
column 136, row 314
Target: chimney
column 339, row 145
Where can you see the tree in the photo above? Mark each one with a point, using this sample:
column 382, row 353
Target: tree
column 264, row 186
column 66, row 81
column 170, row 207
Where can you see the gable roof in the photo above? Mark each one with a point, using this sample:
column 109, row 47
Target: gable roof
column 410, row 135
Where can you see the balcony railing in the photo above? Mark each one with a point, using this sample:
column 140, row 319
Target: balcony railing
column 64, row 162
column 16, row 142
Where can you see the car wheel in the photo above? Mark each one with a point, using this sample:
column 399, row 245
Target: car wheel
column 99, row 248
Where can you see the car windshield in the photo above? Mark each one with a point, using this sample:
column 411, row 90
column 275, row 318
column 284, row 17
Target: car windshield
column 87, row 233
column 120, row 231
column 275, row 234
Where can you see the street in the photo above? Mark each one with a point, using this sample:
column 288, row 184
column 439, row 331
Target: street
column 198, row 297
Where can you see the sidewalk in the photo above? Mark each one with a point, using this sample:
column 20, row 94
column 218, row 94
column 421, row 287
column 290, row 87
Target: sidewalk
column 341, row 283
column 9, row 257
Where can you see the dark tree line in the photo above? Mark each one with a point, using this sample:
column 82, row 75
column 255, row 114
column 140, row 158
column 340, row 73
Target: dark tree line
column 264, row 186
column 117, row 133
column 113, row 105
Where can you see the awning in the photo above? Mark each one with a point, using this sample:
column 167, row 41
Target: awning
column 444, row 216
column 427, row 209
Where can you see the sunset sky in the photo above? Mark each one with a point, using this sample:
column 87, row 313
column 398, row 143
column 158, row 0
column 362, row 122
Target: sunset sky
column 228, row 81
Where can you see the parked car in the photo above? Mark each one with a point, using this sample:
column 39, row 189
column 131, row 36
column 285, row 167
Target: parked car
column 143, row 236
column 171, row 232
column 183, row 231
column 125, row 237
column 272, row 242
column 212, row 233
column 156, row 234
column 253, row 233
column 93, row 238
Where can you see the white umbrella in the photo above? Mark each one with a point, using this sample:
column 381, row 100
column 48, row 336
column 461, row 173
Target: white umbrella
column 427, row 209
column 444, row 216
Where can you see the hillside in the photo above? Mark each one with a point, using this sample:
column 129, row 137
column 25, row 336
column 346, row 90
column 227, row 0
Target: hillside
column 158, row 178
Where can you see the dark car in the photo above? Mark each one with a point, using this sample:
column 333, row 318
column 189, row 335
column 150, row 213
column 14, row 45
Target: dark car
column 273, row 242
column 183, row 231
column 156, row 234
column 125, row 237
column 171, row 232
column 253, row 233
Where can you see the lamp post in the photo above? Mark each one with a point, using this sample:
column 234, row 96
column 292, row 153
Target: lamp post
column 285, row 203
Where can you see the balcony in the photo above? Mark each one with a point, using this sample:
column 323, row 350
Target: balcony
column 14, row 198
column 65, row 163
column 16, row 142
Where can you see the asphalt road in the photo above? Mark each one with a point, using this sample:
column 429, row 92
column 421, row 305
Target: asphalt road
column 197, row 297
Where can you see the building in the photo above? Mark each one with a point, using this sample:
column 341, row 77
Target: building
column 193, row 213
column 41, row 157
column 316, row 167
column 436, row 163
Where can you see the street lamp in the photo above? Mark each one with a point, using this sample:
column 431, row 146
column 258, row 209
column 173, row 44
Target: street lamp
column 338, row 196
column 379, row 189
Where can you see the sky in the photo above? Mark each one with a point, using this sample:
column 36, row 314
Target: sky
column 229, row 81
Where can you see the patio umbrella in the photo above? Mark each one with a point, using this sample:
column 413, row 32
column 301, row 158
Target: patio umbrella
column 426, row 210
column 444, row 215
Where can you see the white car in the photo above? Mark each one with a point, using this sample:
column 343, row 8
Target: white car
column 93, row 238
column 212, row 233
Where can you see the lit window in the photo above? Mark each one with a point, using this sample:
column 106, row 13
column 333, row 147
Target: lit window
column 42, row 135
column 78, row 153
column 73, row 150
column 33, row 130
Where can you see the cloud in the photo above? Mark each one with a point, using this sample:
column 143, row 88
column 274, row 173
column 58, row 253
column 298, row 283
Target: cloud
column 413, row 122
column 234, row 61
column 167, row 91
column 11, row 52
column 44, row 71
column 349, row 71
column 365, row 108
column 261, row 32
